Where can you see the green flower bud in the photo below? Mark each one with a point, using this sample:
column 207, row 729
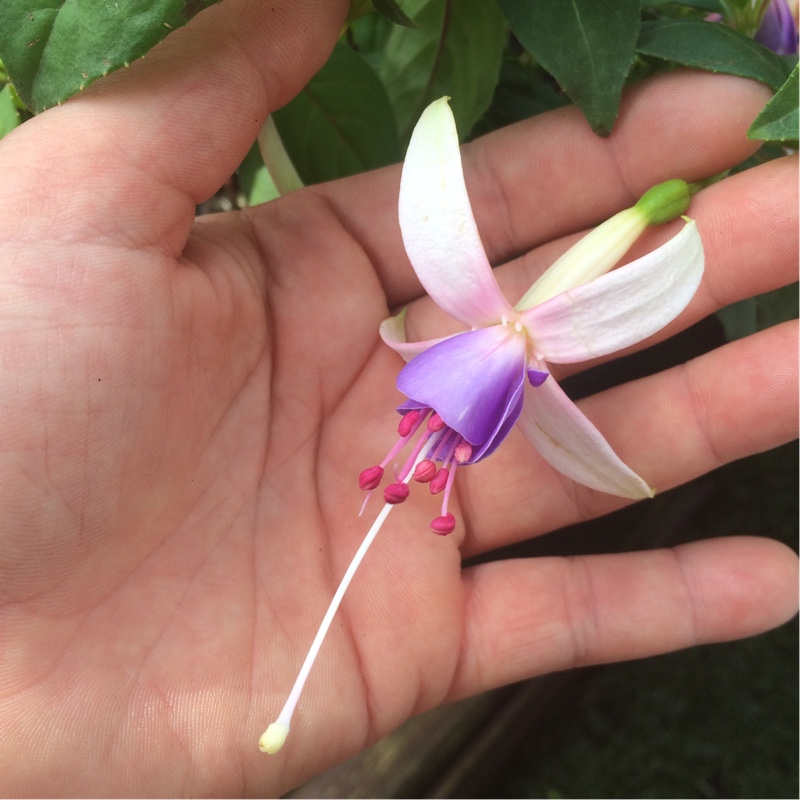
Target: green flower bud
column 664, row 202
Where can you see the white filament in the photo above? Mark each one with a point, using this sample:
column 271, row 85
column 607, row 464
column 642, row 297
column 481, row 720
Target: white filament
column 274, row 736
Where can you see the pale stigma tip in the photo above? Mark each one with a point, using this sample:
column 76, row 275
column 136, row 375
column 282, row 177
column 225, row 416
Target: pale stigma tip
column 273, row 738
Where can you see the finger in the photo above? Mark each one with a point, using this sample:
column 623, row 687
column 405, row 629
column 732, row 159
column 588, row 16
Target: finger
column 157, row 138
column 532, row 616
column 550, row 175
column 669, row 428
column 749, row 230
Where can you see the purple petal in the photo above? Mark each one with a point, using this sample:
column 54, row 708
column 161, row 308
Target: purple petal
column 511, row 414
column 778, row 30
column 473, row 380
column 537, row 377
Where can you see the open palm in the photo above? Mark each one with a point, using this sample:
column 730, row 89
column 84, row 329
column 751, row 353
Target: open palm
column 187, row 405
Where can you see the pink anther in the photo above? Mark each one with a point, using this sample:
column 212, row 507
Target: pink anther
column 370, row 478
column 435, row 423
column 463, row 452
column 439, row 480
column 424, row 471
column 444, row 524
column 407, row 422
column 395, row 493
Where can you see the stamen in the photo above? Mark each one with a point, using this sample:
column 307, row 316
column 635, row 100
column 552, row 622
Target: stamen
column 424, row 471
column 441, row 449
column 439, row 480
column 413, row 457
column 435, row 423
column 463, row 452
column 370, row 478
column 444, row 524
column 450, row 478
column 408, row 423
column 413, row 424
column 395, row 493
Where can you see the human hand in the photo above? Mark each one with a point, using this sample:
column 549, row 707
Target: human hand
column 188, row 405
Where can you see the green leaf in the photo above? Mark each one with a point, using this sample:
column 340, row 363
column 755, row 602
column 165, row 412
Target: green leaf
column 455, row 51
column 739, row 319
column 524, row 90
column 254, row 181
column 778, row 120
column 710, row 6
column 9, row 115
column 758, row 313
column 54, row 48
column 392, row 11
column 711, row 46
column 368, row 37
column 341, row 123
column 588, row 46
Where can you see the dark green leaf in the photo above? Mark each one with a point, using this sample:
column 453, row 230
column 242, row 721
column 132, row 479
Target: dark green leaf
column 711, row 46
column 368, row 37
column 392, row 11
column 9, row 115
column 710, row 6
column 523, row 91
column 54, row 48
column 358, row 10
column 758, row 313
column 778, row 120
column 455, row 51
column 777, row 306
column 587, row 45
column 739, row 319
column 341, row 123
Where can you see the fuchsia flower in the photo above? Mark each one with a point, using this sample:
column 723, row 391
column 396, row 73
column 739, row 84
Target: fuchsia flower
column 466, row 392
column 475, row 386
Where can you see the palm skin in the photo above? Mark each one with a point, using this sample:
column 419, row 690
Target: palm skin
column 188, row 405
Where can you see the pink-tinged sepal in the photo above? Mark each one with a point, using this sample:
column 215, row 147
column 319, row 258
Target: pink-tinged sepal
column 439, row 231
column 393, row 333
column 566, row 439
column 621, row 308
